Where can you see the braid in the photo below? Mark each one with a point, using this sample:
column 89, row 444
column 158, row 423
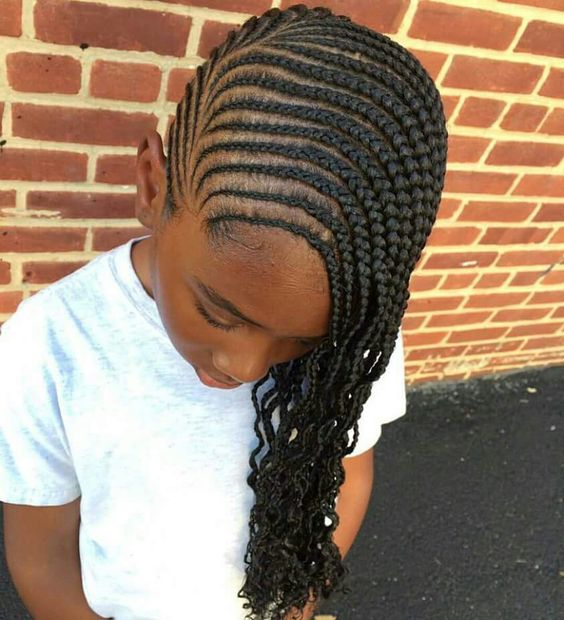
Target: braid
column 304, row 121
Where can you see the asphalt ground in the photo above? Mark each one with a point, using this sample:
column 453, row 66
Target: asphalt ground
column 466, row 518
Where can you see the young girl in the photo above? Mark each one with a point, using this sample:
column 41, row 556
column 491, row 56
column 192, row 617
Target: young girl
column 180, row 414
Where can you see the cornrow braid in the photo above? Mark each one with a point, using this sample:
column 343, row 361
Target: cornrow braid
column 304, row 121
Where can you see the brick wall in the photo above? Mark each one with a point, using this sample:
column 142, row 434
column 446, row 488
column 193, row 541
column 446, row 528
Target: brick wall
column 80, row 81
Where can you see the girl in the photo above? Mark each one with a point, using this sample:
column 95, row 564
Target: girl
column 305, row 168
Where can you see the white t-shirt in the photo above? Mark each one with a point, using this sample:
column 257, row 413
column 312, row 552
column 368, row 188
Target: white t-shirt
column 95, row 401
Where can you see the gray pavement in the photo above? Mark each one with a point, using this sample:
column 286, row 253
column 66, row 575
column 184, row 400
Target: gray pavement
column 466, row 517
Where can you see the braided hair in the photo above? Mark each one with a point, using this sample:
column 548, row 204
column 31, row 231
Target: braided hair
column 306, row 121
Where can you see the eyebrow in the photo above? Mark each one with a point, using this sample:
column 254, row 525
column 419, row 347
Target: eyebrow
column 225, row 304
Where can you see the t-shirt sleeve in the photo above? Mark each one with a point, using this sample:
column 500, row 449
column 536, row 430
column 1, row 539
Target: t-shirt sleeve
column 35, row 462
column 387, row 402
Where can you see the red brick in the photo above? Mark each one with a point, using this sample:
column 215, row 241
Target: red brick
column 495, row 300
column 177, row 81
column 453, row 235
column 460, row 318
column 458, row 280
column 528, row 257
column 116, row 169
column 123, row 28
column 503, row 235
column 423, row 283
column 554, row 124
column 525, row 278
column 532, row 330
column 554, row 84
column 449, row 103
column 1, row 115
column 516, row 153
column 472, row 335
column 547, row 297
column 490, row 211
column 523, row 117
column 447, row 208
column 43, row 73
column 435, row 21
column 435, row 352
column 41, row 239
column 544, row 343
column 11, row 18
column 7, row 199
column 10, row 300
column 457, row 260
column 493, row 347
column 126, row 81
column 550, row 212
column 472, row 182
column 433, row 304
column 82, row 125
column 104, row 239
column 256, row 7
column 433, row 62
column 491, row 280
column 5, row 273
column 479, row 112
column 540, row 185
column 413, row 340
column 213, row 35
column 42, row 272
column 79, row 205
column 557, row 237
column 545, row 4
column 412, row 322
column 556, row 276
column 387, row 18
column 558, row 313
column 517, row 315
column 492, row 75
column 42, row 165
column 465, row 148
column 542, row 37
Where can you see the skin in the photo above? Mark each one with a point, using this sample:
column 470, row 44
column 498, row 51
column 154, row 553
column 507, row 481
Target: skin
column 273, row 277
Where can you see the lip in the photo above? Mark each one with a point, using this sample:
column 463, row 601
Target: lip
column 211, row 382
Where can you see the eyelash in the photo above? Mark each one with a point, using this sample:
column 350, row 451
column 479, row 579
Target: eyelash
column 229, row 328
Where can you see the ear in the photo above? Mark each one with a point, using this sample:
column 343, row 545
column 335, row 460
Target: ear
column 151, row 179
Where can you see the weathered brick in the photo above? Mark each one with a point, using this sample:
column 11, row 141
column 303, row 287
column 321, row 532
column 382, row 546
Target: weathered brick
column 540, row 185
column 433, row 63
column 42, row 165
column 517, row 315
column 116, row 169
column 89, row 126
column 495, row 235
column 528, row 257
column 11, row 18
column 542, row 37
column 78, row 205
column 43, row 73
column 554, row 123
column 493, row 347
column 517, row 153
column 41, row 239
column 523, row 117
column 435, row 352
column 127, row 81
column 43, row 272
column 453, row 235
column 472, row 335
column 479, row 112
column 553, row 86
column 456, row 260
column 544, row 343
column 466, row 148
column 490, row 211
column 474, row 182
column 123, row 28
column 177, row 80
column 457, row 280
column 492, row 75
column 435, row 21
column 104, row 239
column 387, row 18
column 459, row 318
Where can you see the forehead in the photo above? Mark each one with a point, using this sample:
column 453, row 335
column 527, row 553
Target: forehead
column 274, row 276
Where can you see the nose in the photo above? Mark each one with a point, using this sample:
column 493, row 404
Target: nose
column 246, row 363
